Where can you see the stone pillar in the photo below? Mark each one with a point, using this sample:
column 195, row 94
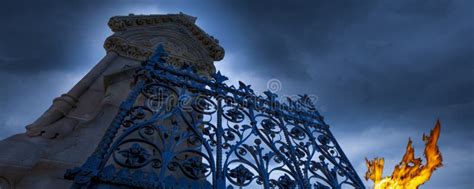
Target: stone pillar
column 67, row 133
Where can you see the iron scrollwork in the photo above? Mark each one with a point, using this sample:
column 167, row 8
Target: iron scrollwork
column 178, row 129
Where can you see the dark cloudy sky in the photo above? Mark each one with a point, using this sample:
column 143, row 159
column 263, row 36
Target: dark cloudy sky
column 383, row 70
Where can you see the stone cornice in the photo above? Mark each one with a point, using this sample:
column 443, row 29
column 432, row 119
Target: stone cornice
column 126, row 49
column 122, row 23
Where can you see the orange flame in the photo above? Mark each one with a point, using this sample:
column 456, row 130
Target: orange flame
column 410, row 172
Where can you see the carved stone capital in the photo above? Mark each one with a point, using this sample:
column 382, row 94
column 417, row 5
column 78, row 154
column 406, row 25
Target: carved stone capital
column 124, row 23
column 127, row 49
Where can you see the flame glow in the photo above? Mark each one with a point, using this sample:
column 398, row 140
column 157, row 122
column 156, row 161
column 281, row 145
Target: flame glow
column 410, row 172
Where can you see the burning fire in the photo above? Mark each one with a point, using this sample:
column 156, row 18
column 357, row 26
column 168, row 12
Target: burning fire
column 410, row 172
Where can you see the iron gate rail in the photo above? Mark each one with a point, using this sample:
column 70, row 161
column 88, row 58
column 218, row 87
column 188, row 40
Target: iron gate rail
column 178, row 129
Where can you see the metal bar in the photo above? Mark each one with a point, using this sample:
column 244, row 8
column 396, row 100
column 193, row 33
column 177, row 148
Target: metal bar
column 219, row 172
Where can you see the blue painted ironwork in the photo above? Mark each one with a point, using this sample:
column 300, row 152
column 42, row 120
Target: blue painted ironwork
column 178, row 129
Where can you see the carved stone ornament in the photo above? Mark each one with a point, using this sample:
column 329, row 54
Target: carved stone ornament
column 122, row 23
column 127, row 49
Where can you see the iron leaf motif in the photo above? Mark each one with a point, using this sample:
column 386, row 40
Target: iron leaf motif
column 241, row 174
column 135, row 155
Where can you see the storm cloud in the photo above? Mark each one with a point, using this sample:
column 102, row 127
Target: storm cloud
column 383, row 71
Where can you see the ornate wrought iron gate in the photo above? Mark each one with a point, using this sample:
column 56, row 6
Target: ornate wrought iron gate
column 178, row 129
